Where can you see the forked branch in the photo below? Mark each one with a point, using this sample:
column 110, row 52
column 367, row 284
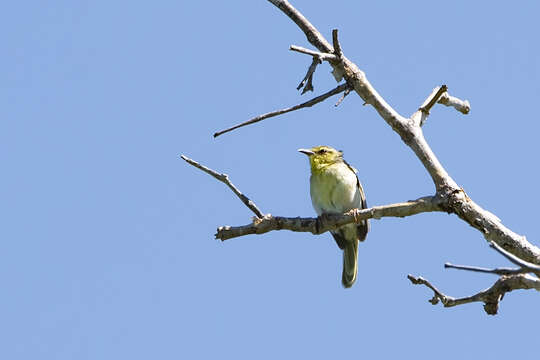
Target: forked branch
column 510, row 279
column 490, row 297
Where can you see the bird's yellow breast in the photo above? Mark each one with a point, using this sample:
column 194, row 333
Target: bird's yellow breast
column 334, row 189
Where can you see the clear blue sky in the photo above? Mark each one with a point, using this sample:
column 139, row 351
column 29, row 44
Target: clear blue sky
column 107, row 248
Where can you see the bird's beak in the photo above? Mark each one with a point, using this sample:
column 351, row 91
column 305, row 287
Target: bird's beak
column 306, row 151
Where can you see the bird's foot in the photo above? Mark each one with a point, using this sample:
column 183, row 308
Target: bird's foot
column 321, row 220
column 355, row 213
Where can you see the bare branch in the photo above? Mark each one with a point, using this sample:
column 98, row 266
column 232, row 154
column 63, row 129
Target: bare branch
column 462, row 106
column 490, row 297
column 322, row 56
column 224, row 178
column 511, row 279
column 309, row 103
column 308, row 79
column 331, row 221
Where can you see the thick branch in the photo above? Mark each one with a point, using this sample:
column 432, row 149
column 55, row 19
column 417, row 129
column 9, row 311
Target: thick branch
column 330, row 222
column 313, row 36
column 308, row 103
column 491, row 227
column 224, row 178
column 490, row 297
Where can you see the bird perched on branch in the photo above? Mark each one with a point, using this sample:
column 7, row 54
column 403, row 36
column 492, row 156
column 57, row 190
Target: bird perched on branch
column 335, row 189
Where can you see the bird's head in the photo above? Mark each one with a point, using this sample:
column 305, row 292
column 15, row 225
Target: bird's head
column 322, row 156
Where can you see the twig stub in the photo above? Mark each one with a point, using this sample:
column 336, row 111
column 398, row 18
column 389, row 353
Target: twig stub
column 320, row 55
column 335, row 42
column 345, row 93
column 432, row 100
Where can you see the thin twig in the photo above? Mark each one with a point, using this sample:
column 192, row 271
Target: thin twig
column 224, row 178
column 497, row 271
column 322, row 56
column 308, row 103
column 514, row 259
column 438, row 295
column 524, row 266
column 308, row 79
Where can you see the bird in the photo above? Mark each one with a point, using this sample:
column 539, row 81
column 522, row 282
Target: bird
column 335, row 189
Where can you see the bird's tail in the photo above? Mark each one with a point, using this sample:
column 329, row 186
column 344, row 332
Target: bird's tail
column 350, row 263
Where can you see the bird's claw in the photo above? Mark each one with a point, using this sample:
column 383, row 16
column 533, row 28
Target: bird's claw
column 355, row 215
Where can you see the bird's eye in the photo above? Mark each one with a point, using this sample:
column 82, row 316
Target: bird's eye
column 322, row 151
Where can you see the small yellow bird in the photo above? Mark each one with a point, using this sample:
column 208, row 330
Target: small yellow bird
column 335, row 189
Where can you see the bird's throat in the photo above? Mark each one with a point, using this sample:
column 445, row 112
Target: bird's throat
column 318, row 167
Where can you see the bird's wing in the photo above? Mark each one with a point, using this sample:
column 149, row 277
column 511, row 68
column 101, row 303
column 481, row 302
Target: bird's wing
column 363, row 228
column 340, row 240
